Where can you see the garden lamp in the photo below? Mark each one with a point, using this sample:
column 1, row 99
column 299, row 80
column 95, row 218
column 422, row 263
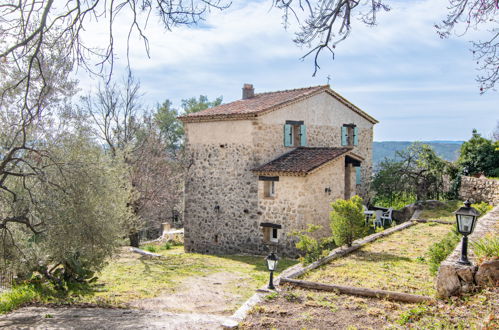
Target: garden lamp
column 272, row 261
column 466, row 220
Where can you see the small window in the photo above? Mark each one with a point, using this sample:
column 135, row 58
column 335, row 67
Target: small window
column 358, row 178
column 269, row 189
column 349, row 135
column 270, row 232
column 295, row 134
column 274, row 236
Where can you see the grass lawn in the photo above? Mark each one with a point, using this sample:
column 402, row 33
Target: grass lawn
column 130, row 277
column 396, row 262
column 295, row 308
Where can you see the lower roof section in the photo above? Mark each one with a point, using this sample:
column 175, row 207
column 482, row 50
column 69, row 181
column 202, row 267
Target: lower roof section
column 302, row 160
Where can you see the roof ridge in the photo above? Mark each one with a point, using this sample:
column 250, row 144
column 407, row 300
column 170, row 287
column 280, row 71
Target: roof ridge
column 292, row 90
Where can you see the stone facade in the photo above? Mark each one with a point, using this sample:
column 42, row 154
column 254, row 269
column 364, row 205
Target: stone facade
column 479, row 189
column 224, row 199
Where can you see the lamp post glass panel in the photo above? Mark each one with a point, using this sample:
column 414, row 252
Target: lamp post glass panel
column 272, row 261
column 466, row 220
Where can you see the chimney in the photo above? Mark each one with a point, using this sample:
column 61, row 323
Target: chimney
column 248, row 91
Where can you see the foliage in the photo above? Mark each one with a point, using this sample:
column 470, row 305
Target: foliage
column 479, row 155
column 486, row 247
column 170, row 127
column 482, row 207
column 439, row 251
column 17, row 297
column 81, row 206
column 412, row 315
column 448, row 151
column 395, row 201
column 419, row 172
column 313, row 248
column 347, row 220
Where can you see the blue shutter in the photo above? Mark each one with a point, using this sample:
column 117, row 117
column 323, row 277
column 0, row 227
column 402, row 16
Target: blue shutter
column 288, row 137
column 355, row 136
column 357, row 175
column 344, row 135
column 303, row 136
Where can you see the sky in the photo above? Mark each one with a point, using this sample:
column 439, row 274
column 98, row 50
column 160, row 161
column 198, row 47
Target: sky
column 419, row 87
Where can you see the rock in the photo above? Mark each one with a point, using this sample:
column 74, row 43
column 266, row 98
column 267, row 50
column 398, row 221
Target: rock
column 448, row 283
column 488, row 274
column 465, row 274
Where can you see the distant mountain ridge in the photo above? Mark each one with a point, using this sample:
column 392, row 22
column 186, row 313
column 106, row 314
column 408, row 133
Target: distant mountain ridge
column 448, row 150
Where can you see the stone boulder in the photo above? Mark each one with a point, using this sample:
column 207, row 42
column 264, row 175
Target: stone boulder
column 488, row 274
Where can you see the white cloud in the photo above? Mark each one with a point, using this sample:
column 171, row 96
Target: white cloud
column 399, row 66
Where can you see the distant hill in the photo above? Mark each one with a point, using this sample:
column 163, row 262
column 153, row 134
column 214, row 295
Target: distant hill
column 448, row 150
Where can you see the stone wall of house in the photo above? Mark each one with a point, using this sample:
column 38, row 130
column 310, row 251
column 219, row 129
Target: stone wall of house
column 300, row 201
column 220, row 156
column 479, row 189
column 323, row 117
column 224, row 204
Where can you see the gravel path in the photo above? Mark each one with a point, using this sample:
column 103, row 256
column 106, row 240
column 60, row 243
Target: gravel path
column 105, row 318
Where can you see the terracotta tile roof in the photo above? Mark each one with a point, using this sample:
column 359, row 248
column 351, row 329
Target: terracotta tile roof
column 302, row 160
column 256, row 104
column 266, row 102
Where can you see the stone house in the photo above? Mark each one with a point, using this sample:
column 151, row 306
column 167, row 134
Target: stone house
column 269, row 164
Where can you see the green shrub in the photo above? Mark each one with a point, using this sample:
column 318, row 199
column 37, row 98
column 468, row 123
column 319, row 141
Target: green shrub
column 17, row 297
column 440, row 250
column 166, row 246
column 347, row 220
column 151, row 248
column 487, row 247
column 314, row 249
column 412, row 315
column 482, row 207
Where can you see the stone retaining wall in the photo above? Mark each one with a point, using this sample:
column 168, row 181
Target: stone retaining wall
column 479, row 189
column 453, row 278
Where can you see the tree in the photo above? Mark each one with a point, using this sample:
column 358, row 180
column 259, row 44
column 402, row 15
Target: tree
column 328, row 22
column 127, row 130
column 27, row 123
column 419, row 172
column 347, row 220
column 479, row 155
column 495, row 134
column 171, row 128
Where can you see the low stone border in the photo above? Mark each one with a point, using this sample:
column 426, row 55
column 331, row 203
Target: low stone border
column 453, row 278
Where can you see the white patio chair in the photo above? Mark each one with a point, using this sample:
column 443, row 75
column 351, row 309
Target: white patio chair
column 386, row 216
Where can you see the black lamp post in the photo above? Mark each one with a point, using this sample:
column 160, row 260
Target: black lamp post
column 272, row 261
column 466, row 220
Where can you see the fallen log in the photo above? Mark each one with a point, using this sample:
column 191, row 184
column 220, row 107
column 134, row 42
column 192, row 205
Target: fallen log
column 364, row 292
column 145, row 253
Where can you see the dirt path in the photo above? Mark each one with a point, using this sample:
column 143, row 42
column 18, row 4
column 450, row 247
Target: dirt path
column 104, row 318
column 199, row 303
column 198, row 294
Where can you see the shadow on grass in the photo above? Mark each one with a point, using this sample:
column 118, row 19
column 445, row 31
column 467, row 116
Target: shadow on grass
column 259, row 263
column 370, row 256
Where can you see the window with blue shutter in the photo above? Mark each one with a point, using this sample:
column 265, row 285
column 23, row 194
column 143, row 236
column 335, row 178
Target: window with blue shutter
column 303, row 135
column 355, row 136
column 344, row 135
column 288, row 135
column 295, row 134
column 357, row 175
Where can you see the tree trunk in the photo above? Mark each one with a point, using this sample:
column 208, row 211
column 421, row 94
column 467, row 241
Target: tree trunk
column 134, row 239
